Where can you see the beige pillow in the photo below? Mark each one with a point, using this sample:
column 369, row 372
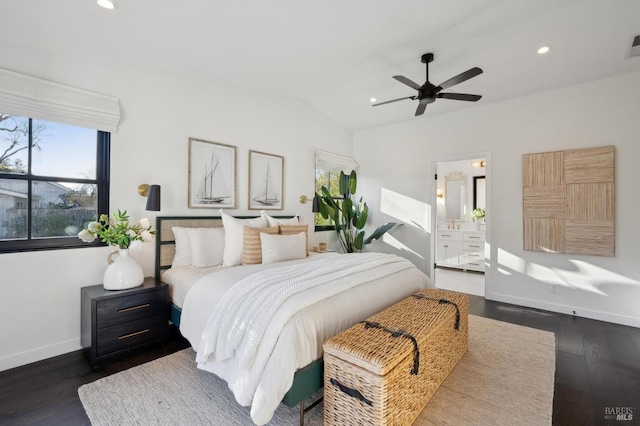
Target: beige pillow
column 296, row 229
column 276, row 248
column 252, row 246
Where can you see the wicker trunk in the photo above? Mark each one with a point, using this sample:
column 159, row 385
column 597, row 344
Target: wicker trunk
column 384, row 371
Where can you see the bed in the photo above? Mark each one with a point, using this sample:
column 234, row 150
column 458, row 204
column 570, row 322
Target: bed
column 195, row 289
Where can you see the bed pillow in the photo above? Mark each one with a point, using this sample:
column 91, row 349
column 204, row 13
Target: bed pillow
column 276, row 248
column 207, row 246
column 234, row 236
column 182, row 257
column 274, row 221
column 252, row 249
column 295, row 229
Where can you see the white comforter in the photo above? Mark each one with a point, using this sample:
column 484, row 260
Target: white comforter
column 294, row 335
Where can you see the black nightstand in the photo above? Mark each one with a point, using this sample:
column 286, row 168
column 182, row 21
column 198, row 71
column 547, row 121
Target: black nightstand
column 115, row 323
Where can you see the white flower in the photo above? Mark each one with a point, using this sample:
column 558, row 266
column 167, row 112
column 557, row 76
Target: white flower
column 144, row 223
column 146, row 236
column 136, row 245
column 93, row 226
column 86, row 236
column 131, row 233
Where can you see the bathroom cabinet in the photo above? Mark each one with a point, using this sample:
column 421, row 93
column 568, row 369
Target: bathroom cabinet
column 460, row 249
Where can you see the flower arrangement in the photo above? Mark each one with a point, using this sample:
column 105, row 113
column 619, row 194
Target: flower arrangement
column 477, row 214
column 118, row 232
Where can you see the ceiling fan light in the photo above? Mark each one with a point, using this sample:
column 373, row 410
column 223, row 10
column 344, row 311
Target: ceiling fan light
column 543, row 49
column 107, row 4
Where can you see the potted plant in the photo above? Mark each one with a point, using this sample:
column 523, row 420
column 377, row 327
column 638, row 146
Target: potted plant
column 478, row 216
column 349, row 217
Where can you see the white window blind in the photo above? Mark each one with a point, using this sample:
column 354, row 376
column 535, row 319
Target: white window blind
column 33, row 97
column 335, row 162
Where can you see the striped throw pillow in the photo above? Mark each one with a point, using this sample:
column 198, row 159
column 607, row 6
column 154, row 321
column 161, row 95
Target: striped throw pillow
column 252, row 246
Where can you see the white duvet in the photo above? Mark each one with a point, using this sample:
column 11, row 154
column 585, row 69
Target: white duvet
column 292, row 334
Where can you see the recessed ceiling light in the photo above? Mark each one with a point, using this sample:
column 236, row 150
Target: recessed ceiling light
column 372, row 100
column 544, row 49
column 107, row 4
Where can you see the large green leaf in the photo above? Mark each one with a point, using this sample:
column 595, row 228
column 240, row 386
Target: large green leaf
column 379, row 232
column 353, row 182
column 358, row 243
column 347, row 210
column 362, row 219
column 343, row 183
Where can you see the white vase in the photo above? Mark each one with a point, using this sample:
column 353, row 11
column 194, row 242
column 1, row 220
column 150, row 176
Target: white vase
column 123, row 272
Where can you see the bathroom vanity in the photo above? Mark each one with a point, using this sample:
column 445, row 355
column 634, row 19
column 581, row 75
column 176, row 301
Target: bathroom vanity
column 460, row 249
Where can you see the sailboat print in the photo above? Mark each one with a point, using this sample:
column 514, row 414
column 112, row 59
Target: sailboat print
column 213, row 188
column 268, row 195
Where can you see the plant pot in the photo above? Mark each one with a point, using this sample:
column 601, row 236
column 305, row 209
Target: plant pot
column 123, row 272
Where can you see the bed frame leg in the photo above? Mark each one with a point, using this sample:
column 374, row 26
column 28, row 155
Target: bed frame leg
column 301, row 413
column 304, row 410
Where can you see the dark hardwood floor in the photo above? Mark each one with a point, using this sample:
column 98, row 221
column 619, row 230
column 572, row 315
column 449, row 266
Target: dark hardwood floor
column 597, row 370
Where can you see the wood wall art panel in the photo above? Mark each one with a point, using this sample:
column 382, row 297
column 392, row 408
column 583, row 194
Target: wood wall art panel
column 590, row 201
column 590, row 237
column 589, row 165
column 544, row 201
column 545, row 169
column 544, row 234
column 569, row 201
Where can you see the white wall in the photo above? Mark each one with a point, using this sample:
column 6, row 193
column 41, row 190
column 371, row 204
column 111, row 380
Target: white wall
column 41, row 290
column 397, row 160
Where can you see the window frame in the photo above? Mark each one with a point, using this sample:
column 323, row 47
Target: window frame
column 102, row 181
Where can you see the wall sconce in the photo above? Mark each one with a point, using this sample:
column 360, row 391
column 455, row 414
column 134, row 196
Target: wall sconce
column 479, row 163
column 152, row 192
column 316, row 205
column 439, row 193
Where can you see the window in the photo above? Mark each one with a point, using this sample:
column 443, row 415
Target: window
column 331, row 180
column 328, row 168
column 54, row 179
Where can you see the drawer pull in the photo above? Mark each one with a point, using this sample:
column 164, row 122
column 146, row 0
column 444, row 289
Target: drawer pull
column 475, row 264
column 471, row 236
column 133, row 308
column 137, row 333
column 472, row 255
column 445, row 235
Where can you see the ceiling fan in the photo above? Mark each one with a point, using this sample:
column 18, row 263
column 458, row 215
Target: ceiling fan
column 428, row 93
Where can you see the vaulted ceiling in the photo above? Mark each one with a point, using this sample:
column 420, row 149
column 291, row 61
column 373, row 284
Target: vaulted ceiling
column 337, row 54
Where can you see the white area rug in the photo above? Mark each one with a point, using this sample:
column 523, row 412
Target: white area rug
column 506, row 377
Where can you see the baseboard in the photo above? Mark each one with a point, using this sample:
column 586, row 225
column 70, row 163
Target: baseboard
column 563, row 309
column 38, row 354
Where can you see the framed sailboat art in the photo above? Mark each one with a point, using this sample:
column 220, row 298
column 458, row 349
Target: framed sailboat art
column 265, row 181
column 212, row 175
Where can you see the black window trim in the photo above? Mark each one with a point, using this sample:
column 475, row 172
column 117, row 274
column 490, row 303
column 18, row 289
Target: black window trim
column 102, row 180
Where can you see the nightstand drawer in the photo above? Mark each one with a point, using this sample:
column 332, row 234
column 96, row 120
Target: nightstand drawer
column 129, row 308
column 130, row 334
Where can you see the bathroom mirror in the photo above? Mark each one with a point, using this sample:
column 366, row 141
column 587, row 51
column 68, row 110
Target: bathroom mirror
column 455, row 196
column 479, row 185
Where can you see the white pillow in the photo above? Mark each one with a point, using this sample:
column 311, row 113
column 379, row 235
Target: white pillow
column 234, row 236
column 207, row 246
column 273, row 221
column 182, row 256
column 276, row 248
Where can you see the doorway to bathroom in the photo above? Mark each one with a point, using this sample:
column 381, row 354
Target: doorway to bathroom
column 460, row 223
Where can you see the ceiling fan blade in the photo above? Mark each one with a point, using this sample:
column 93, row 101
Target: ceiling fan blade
column 459, row 96
column 460, row 78
column 394, row 100
column 421, row 108
column 405, row 80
